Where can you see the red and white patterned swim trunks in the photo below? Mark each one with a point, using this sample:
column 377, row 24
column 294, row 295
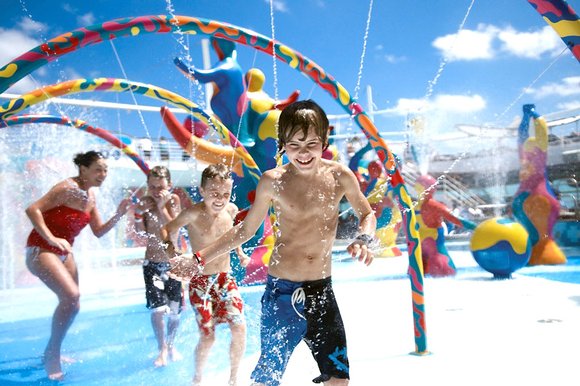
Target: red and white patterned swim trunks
column 216, row 299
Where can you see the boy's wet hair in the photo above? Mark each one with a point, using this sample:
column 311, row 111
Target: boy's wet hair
column 220, row 171
column 160, row 171
column 87, row 159
column 300, row 116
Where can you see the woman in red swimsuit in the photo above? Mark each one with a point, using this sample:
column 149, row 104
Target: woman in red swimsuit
column 58, row 217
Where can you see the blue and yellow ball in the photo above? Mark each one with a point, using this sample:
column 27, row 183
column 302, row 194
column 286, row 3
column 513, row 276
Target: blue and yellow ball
column 501, row 246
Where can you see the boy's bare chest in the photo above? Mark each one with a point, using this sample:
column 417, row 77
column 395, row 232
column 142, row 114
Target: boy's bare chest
column 213, row 227
column 314, row 196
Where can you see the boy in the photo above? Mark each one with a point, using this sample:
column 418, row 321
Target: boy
column 214, row 294
column 298, row 302
column 164, row 295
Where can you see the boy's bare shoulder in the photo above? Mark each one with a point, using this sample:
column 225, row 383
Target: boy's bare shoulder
column 335, row 168
column 232, row 209
column 192, row 212
column 274, row 174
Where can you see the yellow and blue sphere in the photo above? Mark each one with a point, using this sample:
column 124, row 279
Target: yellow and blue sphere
column 501, row 246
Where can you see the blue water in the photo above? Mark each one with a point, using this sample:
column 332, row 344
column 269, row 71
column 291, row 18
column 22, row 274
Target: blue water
column 114, row 345
column 567, row 273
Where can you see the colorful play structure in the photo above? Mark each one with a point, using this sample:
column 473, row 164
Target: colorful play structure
column 535, row 204
column 245, row 119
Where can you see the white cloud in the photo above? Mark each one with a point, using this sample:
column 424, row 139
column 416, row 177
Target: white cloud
column 487, row 41
column 531, row 45
column 279, row 5
column 569, row 105
column 69, row 8
column 24, row 85
column 445, row 103
column 468, row 44
column 567, row 87
column 459, row 103
column 389, row 58
column 32, row 27
column 86, row 19
column 393, row 58
column 14, row 43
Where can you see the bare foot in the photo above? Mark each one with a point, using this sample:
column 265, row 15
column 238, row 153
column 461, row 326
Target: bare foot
column 52, row 367
column 161, row 359
column 174, row 355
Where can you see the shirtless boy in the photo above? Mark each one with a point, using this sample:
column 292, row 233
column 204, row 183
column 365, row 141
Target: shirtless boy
column 299, row 302
column 164, row 295
column 214, row 294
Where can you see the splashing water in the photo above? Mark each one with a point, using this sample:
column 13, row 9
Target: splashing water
column 33, row 160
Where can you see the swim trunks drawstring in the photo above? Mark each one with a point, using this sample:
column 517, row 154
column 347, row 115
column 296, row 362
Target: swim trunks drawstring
column 298, row 296
column 206, row 295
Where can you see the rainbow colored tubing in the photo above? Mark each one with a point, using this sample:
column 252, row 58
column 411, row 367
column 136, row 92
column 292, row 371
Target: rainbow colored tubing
column 132, row 26
column 16, row 105
column 81, row 125
column 562, row 18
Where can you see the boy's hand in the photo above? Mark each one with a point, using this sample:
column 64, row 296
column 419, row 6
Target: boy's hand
column 164, row 197
column 360, row 247
column 244, row 259
column 184, row 267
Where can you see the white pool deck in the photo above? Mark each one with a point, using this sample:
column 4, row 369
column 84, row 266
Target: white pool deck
column 479, row 331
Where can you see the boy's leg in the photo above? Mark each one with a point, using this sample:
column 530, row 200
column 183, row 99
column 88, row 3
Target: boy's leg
column 158, row 324
column 174, row 292
column 157, row 303
column 172, row 326
column 237, row 348
column 281, row 329
column 201, row 298
column 206, row 341
column 326, row 337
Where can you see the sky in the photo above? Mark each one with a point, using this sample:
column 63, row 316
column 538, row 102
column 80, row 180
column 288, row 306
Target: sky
column 446, row 62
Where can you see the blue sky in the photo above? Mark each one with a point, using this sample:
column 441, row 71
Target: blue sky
column 415, row 60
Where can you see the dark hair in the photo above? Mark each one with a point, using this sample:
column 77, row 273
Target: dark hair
column 300, row 116
column 220, row 171
column 87, row 159
column 160, row 171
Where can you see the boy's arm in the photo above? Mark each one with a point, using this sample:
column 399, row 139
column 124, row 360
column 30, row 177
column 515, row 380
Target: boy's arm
column 367, row 220
column 183, row 269
column 168, row 232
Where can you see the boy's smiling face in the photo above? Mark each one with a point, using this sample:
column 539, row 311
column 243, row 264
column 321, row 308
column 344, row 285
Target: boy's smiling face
column 216, row 194
column 304, row 153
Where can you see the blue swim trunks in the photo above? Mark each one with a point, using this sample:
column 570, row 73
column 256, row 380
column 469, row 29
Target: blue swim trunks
column 292, row 311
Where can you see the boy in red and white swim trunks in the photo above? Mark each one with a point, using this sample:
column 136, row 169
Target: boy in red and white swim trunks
column 214, row 293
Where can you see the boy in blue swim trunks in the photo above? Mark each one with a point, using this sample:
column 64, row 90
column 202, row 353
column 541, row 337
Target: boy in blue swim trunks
column 299, row 303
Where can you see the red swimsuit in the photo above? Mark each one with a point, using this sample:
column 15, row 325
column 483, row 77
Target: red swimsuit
column 64, row 222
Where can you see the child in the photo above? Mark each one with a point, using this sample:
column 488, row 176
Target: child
column 164, row 295
column 214, row 294
column 299, row 302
